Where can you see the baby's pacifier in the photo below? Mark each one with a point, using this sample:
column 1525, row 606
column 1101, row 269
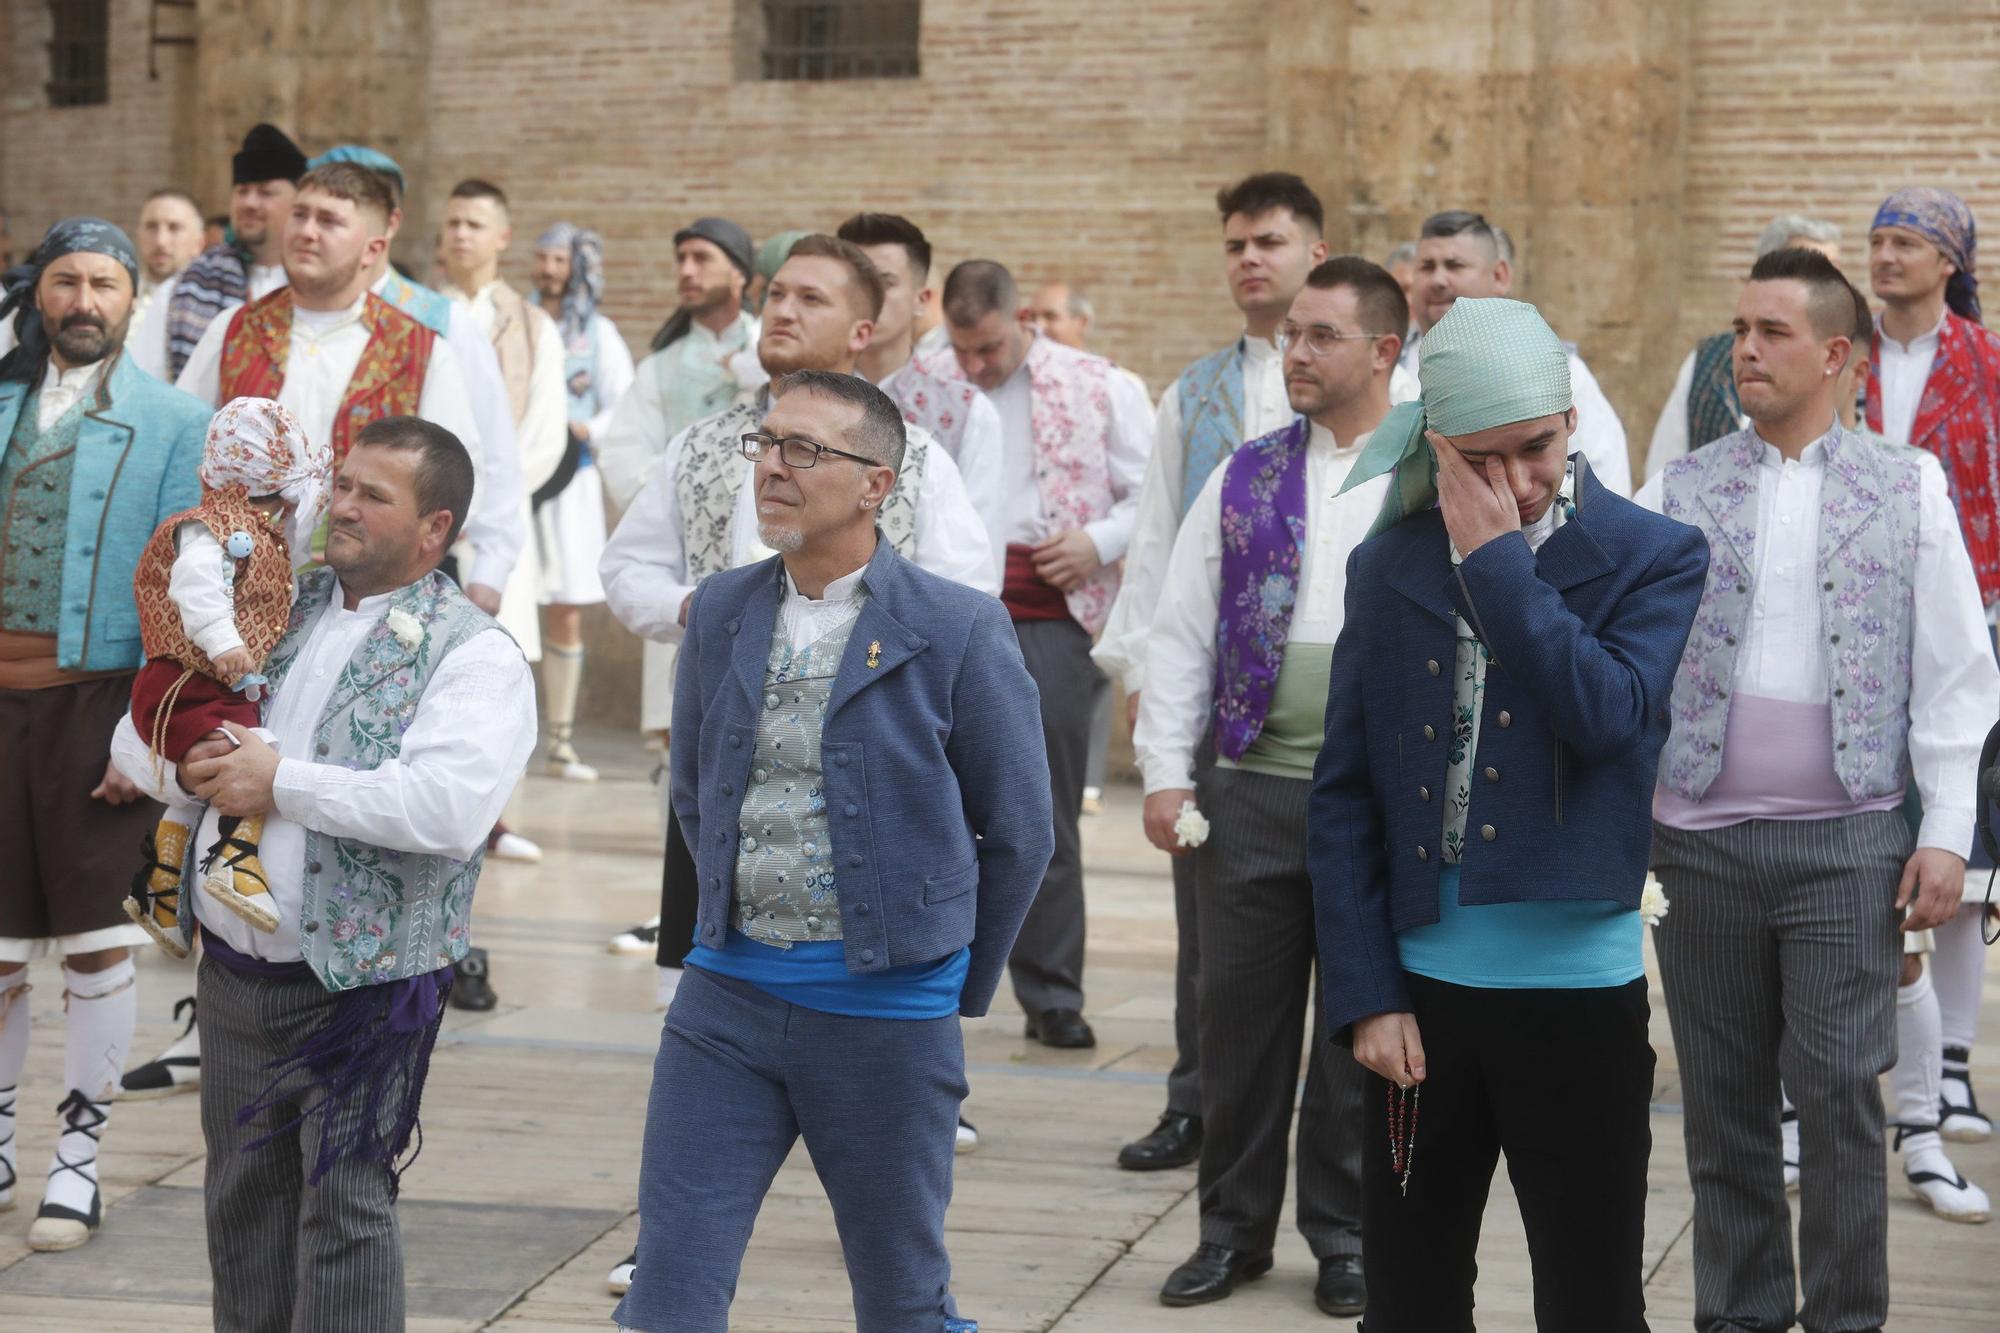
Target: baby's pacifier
column 240, row 545
column 250, row 685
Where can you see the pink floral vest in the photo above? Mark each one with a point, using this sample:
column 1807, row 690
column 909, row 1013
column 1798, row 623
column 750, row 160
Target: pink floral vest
column 1071, row 415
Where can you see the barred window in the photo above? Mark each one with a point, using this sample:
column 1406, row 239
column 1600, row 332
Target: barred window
column 837, row 39
column 79, row 52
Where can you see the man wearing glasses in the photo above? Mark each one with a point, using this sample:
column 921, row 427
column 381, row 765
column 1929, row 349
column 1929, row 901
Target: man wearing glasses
column 1244, row 636
column 860, row 771
column 698, row 514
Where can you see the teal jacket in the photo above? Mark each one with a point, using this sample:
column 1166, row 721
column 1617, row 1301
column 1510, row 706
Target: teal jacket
column 138, row 460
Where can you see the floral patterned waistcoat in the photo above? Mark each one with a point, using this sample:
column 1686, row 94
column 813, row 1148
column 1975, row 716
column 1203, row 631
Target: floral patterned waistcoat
column 1866, row 562
column 1263, row 540
column 711, row 474
column 369, row 914
column 1211, row 402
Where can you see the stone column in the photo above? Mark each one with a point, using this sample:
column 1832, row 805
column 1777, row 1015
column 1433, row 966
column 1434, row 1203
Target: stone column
column 1561, row 120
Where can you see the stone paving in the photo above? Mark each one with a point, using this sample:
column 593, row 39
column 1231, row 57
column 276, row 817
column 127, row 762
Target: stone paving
column 523, row 1198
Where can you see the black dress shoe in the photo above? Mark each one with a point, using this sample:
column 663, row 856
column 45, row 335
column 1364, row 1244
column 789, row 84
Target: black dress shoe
column 1175, row 1141
column 470, row 988
column 1341, row 1288
column 1211, row 1273
column 1063, row 1029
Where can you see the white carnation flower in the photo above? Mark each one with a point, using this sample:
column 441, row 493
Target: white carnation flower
column 1191, row 829
column 1653, row 904
column 406, row 627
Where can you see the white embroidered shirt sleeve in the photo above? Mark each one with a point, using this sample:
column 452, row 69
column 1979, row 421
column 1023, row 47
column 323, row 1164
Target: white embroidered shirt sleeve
column 644, row 566
column 1121, row 650
column 447, row 786
column 1180, row 648
column 1130, row 429
column 1954, row 684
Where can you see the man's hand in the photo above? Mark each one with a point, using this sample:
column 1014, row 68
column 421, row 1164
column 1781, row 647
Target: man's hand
column 1132, row 709
column 579, row 431
column 1067, row 559
column 1162, row 809
column 214, row 744
column 686, row 602
column 485, row 597
column 1933, row 883
column 1477, row 504
column 237, row 783
column 116, row 789
column 233, row 665
column 1389, row 1045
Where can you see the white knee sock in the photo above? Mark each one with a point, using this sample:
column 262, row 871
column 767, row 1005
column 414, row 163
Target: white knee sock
column 13, row 1058
column 562, row 677
column 1919, row 1069
column 103, row 1006
column 1959, row 963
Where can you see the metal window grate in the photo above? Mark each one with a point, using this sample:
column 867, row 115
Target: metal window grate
column 841, row 39
column 79, row 52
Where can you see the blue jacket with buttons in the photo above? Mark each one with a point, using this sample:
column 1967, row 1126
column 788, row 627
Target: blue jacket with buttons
column 1585, row 635
column 138, row 462
column 936, row 776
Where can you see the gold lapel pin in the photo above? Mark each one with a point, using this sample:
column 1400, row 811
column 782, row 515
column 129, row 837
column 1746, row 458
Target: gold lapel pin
column 874, row 653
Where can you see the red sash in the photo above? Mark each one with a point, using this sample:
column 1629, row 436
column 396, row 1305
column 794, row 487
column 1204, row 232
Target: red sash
column 388, row 381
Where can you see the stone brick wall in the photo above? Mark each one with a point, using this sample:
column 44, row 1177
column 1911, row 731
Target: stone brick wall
column 1634, row 148
column 105, row 160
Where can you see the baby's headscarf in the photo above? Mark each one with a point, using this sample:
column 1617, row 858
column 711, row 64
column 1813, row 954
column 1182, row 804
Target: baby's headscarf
column 1489, row 362
column 258, row 444
column 1941, row 218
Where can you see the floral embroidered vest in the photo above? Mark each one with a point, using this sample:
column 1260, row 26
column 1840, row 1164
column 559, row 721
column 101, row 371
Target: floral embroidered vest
column 1712, row 408
column 1070, row 417
column 1263, row 545
column 1866, row 560
column 369, row 914
column 35, row 473
column 1210, row 393
column 1958, row 419
column 260, row 582
column 934, row 399
column 711, row 473
column 388, row 380
column 785, row 883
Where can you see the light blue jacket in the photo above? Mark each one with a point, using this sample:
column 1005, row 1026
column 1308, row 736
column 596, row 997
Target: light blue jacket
column 138, row 460
column 936, row 776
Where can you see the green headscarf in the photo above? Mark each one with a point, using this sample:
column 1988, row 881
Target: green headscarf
column 771, row 255
column 1489, row 362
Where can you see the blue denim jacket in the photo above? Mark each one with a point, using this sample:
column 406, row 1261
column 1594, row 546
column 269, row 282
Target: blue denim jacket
column 936, row 777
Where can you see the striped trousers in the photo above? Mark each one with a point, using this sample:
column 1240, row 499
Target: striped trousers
column 1779, row 955
column 285, row 1255
column 1258, row 952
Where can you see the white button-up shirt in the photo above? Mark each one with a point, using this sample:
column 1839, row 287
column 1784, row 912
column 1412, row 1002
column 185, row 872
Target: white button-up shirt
column 804, row 621
column 1906, row 368
column 1180, row 675
column 1954, row 684
column 978, row 452
column 440, row 795
column 644, row 568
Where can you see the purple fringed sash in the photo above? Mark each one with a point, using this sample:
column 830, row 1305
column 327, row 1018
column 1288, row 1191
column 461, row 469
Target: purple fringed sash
column 1263, row 544
column 372, row 1056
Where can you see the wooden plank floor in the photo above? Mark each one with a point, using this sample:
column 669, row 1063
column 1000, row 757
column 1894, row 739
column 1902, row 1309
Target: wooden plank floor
column 523, row 1199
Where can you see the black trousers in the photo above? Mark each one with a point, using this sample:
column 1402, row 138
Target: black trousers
column 680, row 897
column 1560, row 1081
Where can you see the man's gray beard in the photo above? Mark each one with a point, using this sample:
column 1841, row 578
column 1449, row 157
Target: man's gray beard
column 783, row 540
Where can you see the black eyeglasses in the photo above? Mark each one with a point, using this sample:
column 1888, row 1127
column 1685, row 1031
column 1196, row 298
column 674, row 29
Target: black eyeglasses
column 795, row 451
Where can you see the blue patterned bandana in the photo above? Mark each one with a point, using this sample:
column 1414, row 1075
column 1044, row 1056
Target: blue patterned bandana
column 1940, row 217
column 68, row 237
